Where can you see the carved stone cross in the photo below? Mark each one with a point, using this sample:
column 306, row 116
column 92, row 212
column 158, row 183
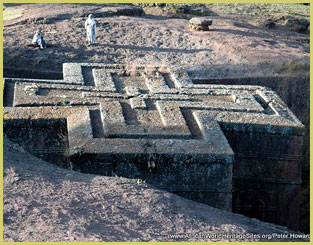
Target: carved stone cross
column 150, row 120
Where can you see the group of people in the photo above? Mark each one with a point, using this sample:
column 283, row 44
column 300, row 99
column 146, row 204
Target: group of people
column 90, row 26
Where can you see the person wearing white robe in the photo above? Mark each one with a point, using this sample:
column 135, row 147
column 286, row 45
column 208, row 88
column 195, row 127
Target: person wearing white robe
column 90, row 26
column 38, row 40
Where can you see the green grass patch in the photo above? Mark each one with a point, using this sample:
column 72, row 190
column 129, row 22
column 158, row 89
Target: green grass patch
column 12, row 13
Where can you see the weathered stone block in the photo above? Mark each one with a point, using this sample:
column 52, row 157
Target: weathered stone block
column 155, row 124
column 200, row 23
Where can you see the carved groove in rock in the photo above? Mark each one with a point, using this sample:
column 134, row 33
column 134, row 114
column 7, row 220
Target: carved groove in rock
column 231, row 147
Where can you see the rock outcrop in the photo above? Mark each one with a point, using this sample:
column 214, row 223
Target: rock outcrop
column 44, row 203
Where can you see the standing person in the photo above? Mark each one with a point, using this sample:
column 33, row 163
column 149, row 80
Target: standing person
column 90, row 26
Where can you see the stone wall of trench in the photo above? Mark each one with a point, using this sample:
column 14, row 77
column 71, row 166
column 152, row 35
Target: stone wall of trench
column 295, row 92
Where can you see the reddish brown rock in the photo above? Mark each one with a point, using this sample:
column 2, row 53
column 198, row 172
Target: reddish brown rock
column 44, row 203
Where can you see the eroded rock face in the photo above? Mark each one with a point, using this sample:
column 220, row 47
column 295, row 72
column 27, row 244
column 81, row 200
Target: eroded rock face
column 298, row 25
column 44, row 203
column 269, row 24
column 156, row 124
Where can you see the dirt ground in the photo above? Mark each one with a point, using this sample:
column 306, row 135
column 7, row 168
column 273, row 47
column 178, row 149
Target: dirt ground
column 232, row 48
column 45, row 203
column 145, row 39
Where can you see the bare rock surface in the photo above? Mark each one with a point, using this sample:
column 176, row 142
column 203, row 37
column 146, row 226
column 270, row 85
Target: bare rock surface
column 146, row 39
column 298, row 25
column 43, row 13
column 200, row 23
column 230, row 49
column 44, row 203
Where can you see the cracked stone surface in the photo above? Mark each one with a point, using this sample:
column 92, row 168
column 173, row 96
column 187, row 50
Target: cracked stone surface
column 44, row 203
column 156, row 124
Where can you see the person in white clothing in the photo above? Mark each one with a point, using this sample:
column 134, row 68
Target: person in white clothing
column 38, row 40
column 90, row 26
